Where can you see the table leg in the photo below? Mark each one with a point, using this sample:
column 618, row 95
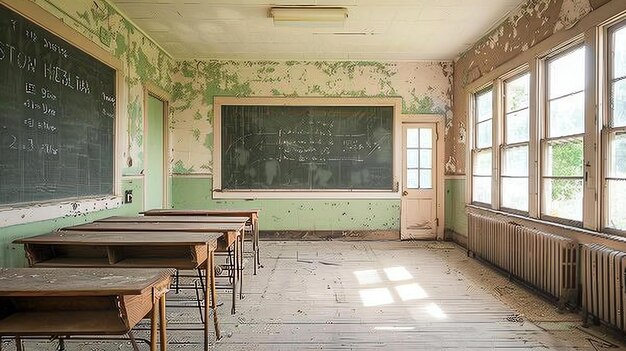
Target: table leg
column 162, row 323
column 255, row 224
column 233, row 310
column 241, row 264
column 153, row 328
column 210, row 273
column 18, row 344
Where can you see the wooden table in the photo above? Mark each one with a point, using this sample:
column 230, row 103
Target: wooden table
column 231, row 233
column 252, row 214
column 54, row 302
column 121, row 250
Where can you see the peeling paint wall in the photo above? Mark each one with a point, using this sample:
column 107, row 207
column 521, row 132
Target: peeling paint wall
column 425, row 88
column 142, row 61
column 530, row 24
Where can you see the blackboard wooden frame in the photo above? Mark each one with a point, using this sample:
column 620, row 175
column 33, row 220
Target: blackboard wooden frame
column 218, row 193
column 58, row 207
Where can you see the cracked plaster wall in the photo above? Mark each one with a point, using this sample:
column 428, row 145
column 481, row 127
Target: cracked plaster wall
column 531, row 23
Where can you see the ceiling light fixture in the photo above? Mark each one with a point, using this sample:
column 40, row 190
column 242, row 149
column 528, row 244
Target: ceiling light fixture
column 308, row 14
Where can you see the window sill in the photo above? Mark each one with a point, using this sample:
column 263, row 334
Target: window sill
column 609, row 234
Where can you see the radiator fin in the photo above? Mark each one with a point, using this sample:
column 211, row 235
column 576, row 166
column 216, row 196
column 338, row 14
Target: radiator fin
column 545, row 261
column 604, row 296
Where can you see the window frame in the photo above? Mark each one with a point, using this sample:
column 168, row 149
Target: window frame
column 608, row 129
column 502, row 116
column 544, row 139
column 476, row 150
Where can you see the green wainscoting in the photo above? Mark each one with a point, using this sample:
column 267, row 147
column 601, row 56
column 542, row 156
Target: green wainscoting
column 193, row 192
column 456, row 219
column 12, row 255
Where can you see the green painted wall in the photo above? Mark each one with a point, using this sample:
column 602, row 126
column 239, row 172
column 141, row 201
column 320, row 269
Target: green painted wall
column 195, row 193
column 12, row 255
column 154, row 159
column 142, row 61
column 423, row 86
column 456, row 219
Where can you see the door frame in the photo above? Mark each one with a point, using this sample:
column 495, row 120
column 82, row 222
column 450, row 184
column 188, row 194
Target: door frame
column 159, row 93
column 438, row 160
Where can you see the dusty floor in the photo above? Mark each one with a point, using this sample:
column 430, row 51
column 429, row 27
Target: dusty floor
column 344, row 295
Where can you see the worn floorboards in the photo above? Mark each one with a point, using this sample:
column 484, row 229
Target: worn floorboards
column 340, row 295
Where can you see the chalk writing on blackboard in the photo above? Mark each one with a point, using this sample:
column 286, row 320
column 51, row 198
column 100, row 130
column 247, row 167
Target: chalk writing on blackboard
column 307, row 147
column 57, row 116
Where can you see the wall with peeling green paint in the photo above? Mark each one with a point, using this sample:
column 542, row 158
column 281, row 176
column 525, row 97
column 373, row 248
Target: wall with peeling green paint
column 142, row 61
column 456, row 219
column 293, row 214
column 12, row 255
column 425, row 88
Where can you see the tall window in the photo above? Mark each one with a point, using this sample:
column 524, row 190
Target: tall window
column 615, row 186
column 483, row 147
column 564, row 130
column 514, row 158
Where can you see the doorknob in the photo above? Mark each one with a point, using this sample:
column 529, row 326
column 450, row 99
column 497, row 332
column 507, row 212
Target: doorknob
column 405, row 193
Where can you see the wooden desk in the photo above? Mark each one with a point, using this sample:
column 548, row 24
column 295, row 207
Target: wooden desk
column 122, row 250
column 252, row 214
column 80, row 301
column 176, row 219
column 231, row 232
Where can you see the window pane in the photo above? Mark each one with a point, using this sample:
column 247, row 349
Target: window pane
column 412, row 179
column 515, row 193
column 565, row 158
column 481, row 189
column 617, row 158
column 517, row 92
column 616, row 190
column 412, row 137
column 515, row 161
column 483, row 134
column 567, row 115
column 412, row 158
column 426, row 137
column 563, row 198
column 484, row 106
column 482, row 163
column 426, row 179
column 566, row 73
column 517, row 127
column 426, row 158
column 619, row 48
column 618, row 103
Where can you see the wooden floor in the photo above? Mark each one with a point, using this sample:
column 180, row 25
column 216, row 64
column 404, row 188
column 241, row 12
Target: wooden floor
column 346, row 295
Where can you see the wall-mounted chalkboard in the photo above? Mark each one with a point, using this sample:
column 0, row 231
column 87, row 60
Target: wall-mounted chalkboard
column 57, row 116
column 306, row 147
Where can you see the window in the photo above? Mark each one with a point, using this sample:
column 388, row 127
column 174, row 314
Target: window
column 514, row 157
column 419, row 158
column 483, row 147
column 615, row 179
column 562, row 180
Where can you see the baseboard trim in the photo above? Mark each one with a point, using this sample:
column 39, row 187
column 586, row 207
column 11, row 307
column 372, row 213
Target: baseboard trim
column 321, row 235
column 456, row 237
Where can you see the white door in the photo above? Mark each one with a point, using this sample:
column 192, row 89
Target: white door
column 419, row 181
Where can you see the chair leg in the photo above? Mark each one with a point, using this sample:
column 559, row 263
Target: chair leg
column 133, row 341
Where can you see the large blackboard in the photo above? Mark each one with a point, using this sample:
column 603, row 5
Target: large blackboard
column 307, row 147
column 57, row 116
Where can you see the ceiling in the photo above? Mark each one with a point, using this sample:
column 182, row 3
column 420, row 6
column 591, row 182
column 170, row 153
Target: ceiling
column 374, row 30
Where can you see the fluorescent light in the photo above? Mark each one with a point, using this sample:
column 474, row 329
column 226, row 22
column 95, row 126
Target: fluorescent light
column 308, row 14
